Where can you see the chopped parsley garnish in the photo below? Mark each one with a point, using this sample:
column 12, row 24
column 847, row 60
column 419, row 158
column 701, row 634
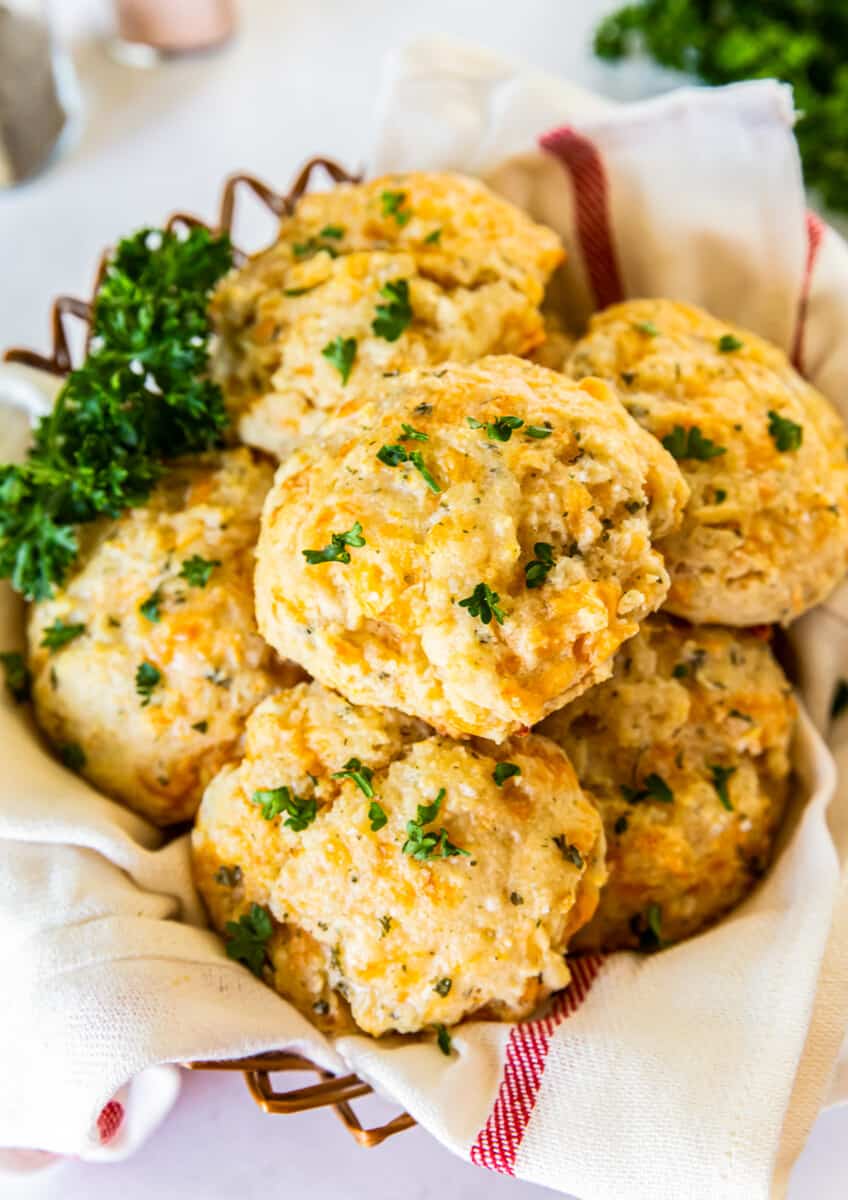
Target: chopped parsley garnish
column 647, row 327
column 442, row 986
column 18, row 678
column 358, row 774
column 411, row 434
column 341, row 353
column 719, row 496
column 681, row 670
column 335, row 550
column 840, row 700
column 444, row 1040
column 301, row 810
column 569, row 853
column 654, row 787
column 538, row 431
column 247, row 938
column 196, row 571
column 516, row 898
column 395, row 455
column 720, row 777
column 504, row 771
column 150, row 607
column 201, row 726
column 228, row 876
column 302, row 291
column 538, row 569
column 395, row 315
column 433, row 238
column 377, row 816
column 785, row 434
column 311, row 246
column 393, row 206
column 332, row 231
column 72, row 755
column 499, row 430
column 427, row 846
column 690, row 443
column 147, row 678
column 648, row 928
column 142, row 396
column 727, row 343
column 483, row 603
column 59, row 634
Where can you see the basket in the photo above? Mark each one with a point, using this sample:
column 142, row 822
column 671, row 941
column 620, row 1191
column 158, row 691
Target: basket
column 331, row 1091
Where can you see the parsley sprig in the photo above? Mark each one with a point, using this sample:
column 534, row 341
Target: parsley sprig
column 538, row 569
column 141, row 397
column 335, row 550
column 395, row 455
column 426, row 846
column 341, row 354
column 197, row 571
column 396, row 314
column 394, row 205
column 720, row 777
column 301, row 810
column 654, row 787
column 785, row 434
column 247, row 938
column 57, row 635
column 147, row 679
column 684, row 443
column 357, row 773
column 483, row 603
column 504, row 771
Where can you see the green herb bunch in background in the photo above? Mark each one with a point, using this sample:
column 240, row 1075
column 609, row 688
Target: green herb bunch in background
column 140, row 397
column 804, row 42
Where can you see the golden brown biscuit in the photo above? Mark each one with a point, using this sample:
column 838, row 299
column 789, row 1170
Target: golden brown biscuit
column 379, row 918
column 386, row 536
column 686, row 751
column 367, row 279
column 765, row 533
column 154, row 658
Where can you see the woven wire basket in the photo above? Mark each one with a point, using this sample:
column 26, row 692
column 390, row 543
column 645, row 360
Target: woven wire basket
column 331, row 1091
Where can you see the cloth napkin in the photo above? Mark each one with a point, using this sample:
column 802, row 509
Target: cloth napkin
column 696, row 1072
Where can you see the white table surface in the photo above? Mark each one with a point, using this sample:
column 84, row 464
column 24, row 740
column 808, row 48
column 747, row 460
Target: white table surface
column 299, row 79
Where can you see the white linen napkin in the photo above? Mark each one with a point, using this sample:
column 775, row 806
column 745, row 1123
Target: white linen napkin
column 696, row 1072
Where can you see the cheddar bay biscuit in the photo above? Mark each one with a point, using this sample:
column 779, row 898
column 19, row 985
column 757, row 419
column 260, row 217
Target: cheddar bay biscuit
column 470, row 545
column 147, row 660
column 686, row 752
column 406, row 880
column 765, row 533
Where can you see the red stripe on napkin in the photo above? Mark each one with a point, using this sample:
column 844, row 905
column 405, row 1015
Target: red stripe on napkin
column 815, row 233
column 581, row 159
column 110, row 1120
column 498, row 1141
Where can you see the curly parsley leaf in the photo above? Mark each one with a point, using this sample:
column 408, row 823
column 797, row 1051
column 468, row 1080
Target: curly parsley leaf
column 684, row 443
column 538, row 569
column 147, row 679
column 720, row 777
column 654, row 787
column 396, row 314
column 57, row 635
column 394, row 205
column 377, row 816
column 504, row 771
column 341, row 353
column 141, row 397
column 432, row 239
column 359, row 774
column 18, row 678
column 301, row 810
column 499, row 430
column 728, row 342
column 247, row 938
column 395, row 455
column 335, row 550
column 483, row 603
column 197, row 571
column 785, row 434
column 426, row 846
column 149, row 608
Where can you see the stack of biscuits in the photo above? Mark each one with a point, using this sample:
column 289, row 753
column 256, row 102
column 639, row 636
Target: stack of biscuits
column 482, row 676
